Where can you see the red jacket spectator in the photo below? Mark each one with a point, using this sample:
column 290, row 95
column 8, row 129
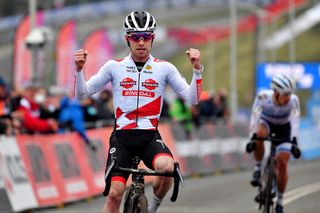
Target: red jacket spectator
column 31, row 120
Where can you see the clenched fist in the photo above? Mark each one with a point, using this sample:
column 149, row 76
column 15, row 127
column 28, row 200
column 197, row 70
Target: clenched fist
column 80, row 57
column 194, row 57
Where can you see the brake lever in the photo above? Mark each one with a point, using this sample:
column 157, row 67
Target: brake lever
column 107, row 177
column 179, row 174
column 177, row 178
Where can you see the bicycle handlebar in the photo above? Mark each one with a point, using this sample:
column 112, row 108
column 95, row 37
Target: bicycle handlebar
column 176, row 174
column 296, row 152
column 272, row 139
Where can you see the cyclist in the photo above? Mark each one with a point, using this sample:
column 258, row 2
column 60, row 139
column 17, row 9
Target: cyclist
column 138, row 84
column 276, row 113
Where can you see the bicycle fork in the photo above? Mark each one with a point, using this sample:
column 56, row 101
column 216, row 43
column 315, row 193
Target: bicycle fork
column 136, row 189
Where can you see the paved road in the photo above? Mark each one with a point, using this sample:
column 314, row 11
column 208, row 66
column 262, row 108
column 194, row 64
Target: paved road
column 230, row 193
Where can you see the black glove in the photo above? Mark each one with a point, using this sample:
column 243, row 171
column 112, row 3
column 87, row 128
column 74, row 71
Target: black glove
column 251, row 146
column 296, row 152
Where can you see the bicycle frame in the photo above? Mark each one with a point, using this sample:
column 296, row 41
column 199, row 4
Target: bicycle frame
column 269, row 175
column 135, row 194
column 136, row 191
column 268, row 182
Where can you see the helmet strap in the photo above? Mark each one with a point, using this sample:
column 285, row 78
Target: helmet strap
column 128, row 43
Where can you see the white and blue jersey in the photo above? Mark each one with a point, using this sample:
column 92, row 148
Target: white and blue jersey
column 280, row 120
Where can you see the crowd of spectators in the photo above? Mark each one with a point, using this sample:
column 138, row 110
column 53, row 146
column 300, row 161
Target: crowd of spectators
column 212, row 108
column 34, row 109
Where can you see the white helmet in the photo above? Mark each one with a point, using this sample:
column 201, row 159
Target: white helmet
column 139, row 21
column 283, row 84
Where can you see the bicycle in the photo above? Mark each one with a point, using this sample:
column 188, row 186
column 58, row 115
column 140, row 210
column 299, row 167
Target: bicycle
column 135, row 199
column 267, row 188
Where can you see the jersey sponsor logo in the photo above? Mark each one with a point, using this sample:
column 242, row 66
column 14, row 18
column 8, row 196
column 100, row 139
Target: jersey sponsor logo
column 161, row 142
column 148, row 72
column 135, row 93
column 127, row 83
column 132, row 71
column 148, row 67
column 150, row 84
column 112, row 150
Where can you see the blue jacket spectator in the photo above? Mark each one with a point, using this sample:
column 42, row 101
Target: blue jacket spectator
column 71, row 116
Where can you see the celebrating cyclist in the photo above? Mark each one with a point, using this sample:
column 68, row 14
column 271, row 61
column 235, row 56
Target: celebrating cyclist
column 138, row 84
column 276, row 113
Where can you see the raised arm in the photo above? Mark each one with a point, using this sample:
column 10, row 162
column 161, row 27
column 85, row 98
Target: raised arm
column 191, row 93
column 97, row 82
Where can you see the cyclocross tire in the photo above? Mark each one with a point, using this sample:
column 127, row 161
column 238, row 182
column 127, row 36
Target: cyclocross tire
column 126, row 206
column 268, row 191
column 140, row 205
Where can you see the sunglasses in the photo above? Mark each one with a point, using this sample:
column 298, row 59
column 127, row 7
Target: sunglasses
column 137, row 36
column 287, row 94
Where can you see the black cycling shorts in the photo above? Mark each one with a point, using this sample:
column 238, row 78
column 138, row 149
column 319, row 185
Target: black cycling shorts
column 282, row 131
column 125, row 144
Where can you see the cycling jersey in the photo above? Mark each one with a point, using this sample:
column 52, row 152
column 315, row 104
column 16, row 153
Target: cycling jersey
column 138, row 96
column 264, row 108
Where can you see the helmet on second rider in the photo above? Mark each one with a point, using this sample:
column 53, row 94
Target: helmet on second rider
column 139, row 21
column 283, row 84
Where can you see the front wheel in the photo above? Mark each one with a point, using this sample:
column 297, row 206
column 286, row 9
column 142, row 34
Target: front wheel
column 268, row 196
column 140, row 204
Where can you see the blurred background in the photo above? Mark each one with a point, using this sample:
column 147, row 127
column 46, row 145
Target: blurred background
column 243, row 44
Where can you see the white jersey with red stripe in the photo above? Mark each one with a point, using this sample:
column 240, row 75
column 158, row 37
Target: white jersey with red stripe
column 138, row 96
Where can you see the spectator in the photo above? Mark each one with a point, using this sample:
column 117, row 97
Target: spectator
column 44, row 102
column 5, row 121
column 181, row 113
column 220, row 105
column 104, row 107
column 206, row 105
column 214, row 108
column 29, row 113
column 71, row 115
column 90, row 109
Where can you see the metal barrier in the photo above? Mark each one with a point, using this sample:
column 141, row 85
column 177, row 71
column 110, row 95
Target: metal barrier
column 58, row 168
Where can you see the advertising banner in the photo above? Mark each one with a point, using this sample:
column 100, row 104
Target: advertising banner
column 99, row 49
column 13, row 172
column 307, row 75
column 62, row 168
column 42, row 168
column 58, row 167
column 65, row 46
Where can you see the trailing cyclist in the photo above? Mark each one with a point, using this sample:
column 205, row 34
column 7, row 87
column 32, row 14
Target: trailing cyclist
column 276, row 113
column 138, row 84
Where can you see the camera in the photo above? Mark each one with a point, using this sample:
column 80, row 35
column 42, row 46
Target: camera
column 37, row 38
